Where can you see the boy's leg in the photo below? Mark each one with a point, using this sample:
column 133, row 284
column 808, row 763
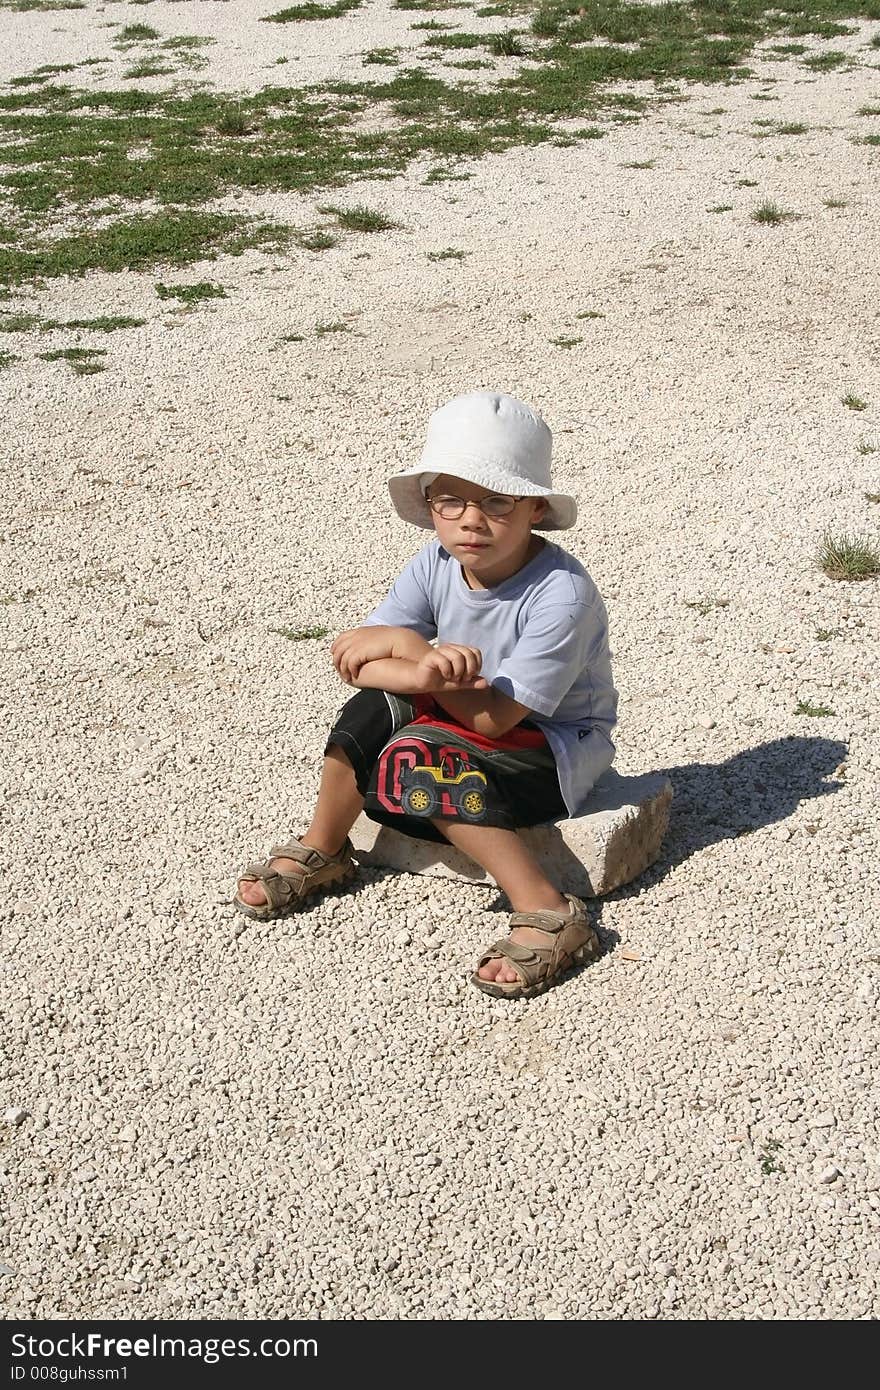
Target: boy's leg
column 516, row 871
column 338, row 807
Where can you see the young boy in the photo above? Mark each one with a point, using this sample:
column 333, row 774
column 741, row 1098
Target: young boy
column 505, row 722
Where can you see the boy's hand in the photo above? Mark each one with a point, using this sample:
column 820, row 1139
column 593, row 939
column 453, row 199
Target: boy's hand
column 356, row 646
column 452, row 663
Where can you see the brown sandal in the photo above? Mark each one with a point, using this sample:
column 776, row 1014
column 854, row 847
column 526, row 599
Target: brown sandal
column 570, row 939
column 285, row 893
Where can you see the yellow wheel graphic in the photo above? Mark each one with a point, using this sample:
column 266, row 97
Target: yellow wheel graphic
column 419, row 801
column 473, row 803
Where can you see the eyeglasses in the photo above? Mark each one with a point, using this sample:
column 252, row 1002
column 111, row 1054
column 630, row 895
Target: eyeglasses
column 451, row 508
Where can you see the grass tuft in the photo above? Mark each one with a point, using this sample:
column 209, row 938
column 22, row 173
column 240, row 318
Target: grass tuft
column 360, row 219
column 310, row 11
column 191, row 294
column 848, row 557
column 853, row 402
column 770, row 214
column 137, row 33
column 506, row 45
column 300, row 634
column 448, row 254
column 814, row 711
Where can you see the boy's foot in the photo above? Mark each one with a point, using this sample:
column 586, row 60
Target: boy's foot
column 252, row 892
column 293, row 873
column 539, row 950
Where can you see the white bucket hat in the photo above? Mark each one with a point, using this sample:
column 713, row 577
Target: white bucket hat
column 491, row 440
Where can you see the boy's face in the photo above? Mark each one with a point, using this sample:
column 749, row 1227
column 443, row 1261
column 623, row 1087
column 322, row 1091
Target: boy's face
column 489, row 548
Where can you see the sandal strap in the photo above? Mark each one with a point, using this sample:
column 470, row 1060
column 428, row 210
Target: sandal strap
column 303, row 854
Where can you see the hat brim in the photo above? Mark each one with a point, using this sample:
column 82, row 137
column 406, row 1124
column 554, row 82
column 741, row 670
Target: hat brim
column 407, row 495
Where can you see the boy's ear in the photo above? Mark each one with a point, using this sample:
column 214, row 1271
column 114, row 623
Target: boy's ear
column 540, row 509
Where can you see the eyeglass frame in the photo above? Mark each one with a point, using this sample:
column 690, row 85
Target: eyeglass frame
column 472, row 502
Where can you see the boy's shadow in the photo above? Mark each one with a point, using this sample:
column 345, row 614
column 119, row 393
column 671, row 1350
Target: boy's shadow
column 723, row 801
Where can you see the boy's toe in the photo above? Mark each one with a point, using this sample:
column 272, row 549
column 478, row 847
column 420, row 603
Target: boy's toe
column 251, row 893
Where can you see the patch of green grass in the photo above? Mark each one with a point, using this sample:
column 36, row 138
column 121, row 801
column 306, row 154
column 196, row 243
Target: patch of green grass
column 590, row 314
column 147, row 67
column 441, row 175
column 360, row 219
column 747, row 183
column 300, row 634
column 875, row 41
column 232, row 121
column 42, row 74
column 814, row 711
column 311, row 11
column 866, row 447
column 83, row 361
column 848, row 557
column 566, row 342
column 468, row 64
column 769, row 214
column 704, row 606
column 18, row 323
column 872, row 496
column 432, row 25
column 792, row 128
column 824, row 62
column 457, row 40
column 449, row 254
column 186, row 43
column 825, row 634
column 506, row 45
column 721, row 207
column 137, row 33
column 639, row 164
column 291, row 338
column 834, row 202
column 769, row 1161
column 7, row 359
column 386, row 57
column 868, row 111
column 338, row 326
column 106, row 323
column 24, row 6
column 316, row 241
column 191, row 294
column 136, row 243
column 853, row 402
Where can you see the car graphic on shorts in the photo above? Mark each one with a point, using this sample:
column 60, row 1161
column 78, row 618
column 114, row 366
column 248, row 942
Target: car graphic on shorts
column 422, row 788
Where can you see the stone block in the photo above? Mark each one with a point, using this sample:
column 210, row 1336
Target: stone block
column 616, row 839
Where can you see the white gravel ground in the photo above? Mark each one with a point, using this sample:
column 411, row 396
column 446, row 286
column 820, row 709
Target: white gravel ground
column 320, row 1118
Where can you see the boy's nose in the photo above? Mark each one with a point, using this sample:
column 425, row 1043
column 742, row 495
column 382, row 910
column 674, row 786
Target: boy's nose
column 473, row 512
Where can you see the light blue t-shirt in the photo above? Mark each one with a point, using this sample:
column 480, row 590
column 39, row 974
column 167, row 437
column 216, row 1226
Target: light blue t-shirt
column 544, row 638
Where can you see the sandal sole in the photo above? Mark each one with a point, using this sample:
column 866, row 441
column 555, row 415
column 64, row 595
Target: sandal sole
column 259, row 914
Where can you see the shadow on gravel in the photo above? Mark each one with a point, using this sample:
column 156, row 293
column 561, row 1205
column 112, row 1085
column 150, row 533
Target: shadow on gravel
column 723, row 801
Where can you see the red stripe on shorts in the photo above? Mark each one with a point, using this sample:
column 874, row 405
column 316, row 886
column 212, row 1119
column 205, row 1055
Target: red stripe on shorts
column 517, row 737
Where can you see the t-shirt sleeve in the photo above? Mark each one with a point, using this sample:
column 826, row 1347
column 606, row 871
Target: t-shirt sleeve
column 552, row 651
column 409, row 603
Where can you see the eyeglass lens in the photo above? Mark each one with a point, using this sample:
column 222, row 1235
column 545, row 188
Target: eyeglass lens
column 450, row 508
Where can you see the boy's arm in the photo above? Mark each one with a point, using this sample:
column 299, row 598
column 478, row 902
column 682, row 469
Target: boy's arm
column 487, row 712
column 352, row 649
column 451, row 674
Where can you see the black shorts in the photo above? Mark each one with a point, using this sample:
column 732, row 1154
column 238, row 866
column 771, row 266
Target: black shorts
column 413, row 764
